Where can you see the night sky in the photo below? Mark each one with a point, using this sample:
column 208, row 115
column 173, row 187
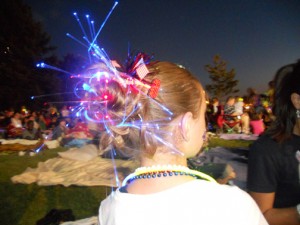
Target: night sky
column 254, row 37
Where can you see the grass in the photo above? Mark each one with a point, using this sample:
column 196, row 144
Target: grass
column 23, row 204
column 215, row 142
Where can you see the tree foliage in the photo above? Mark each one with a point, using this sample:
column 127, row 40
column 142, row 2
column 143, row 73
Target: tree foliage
column 222, row 81
column 22, row 43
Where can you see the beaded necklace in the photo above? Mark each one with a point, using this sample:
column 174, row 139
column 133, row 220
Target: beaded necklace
column 158, row 171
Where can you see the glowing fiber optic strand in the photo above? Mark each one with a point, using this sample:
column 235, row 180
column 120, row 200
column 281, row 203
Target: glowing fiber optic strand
column 75, row 39
column 92, row 47
column 171, row 146
column 42, row 96
column 113, row 154
column 104, row 22
column 46, row 66
column 81, row 27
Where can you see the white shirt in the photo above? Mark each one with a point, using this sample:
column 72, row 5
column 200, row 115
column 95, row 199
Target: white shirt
column 195, row 202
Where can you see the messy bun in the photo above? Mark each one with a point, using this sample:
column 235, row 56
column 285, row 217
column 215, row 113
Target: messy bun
column 135, row 122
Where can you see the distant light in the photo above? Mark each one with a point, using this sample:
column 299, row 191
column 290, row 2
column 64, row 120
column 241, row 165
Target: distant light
column 42, row 65
column 32, row 97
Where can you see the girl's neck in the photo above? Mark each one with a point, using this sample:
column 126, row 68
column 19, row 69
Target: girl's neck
column 164, row 159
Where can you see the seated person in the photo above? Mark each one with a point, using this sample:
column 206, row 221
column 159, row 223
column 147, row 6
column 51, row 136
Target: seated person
column 31, row 133
column 78, row 135
column 60, row 131
column 233, row 110
column 257, row 124
column 52, row 123
column 80, row 130
column 213, row 112
column 15, row 128
column 239, row 110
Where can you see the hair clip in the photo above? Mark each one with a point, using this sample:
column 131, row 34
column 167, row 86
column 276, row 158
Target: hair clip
column 141, row 69
column 154, row 87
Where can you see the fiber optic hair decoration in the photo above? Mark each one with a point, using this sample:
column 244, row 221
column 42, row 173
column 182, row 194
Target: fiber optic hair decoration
column 134, row 103
column 143, row 121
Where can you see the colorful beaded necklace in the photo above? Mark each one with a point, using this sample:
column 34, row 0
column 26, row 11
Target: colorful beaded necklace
column 158, row 171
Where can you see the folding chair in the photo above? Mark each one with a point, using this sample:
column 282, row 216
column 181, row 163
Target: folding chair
column 229, row 123
column 232, row 124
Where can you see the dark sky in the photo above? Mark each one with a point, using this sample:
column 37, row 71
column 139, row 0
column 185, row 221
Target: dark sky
column 254, row 37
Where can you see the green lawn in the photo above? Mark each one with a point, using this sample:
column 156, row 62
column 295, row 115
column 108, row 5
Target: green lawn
column 23, row 204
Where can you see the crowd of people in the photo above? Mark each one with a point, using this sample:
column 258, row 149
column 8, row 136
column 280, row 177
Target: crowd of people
column 253, row 113
column 49, row 123
column 250, row 114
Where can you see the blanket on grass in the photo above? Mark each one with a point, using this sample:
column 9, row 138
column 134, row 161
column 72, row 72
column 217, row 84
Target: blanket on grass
column 26, row 145
column 77, row 166
column 251, row 137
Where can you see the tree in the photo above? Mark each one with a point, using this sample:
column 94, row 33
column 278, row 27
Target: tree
column 22, row 43
column 223, row 82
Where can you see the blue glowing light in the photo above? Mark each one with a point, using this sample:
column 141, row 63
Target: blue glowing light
column 102, row 25
column 86, row 87
column 41, row 65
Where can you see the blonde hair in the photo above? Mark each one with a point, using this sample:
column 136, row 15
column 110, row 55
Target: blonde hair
column 148, row 118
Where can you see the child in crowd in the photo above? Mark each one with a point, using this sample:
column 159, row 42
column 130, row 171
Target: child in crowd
column 31, row 133
column 257, row 124
column 60, row 131
column 163, row 127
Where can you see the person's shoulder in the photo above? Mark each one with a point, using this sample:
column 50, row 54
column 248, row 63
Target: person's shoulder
column 264, row 145
column 226, row 193
column 265, row 140
column 225, row 190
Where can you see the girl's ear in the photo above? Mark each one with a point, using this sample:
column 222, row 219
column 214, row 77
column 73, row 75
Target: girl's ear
column 295, row 98
column 185, row 125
